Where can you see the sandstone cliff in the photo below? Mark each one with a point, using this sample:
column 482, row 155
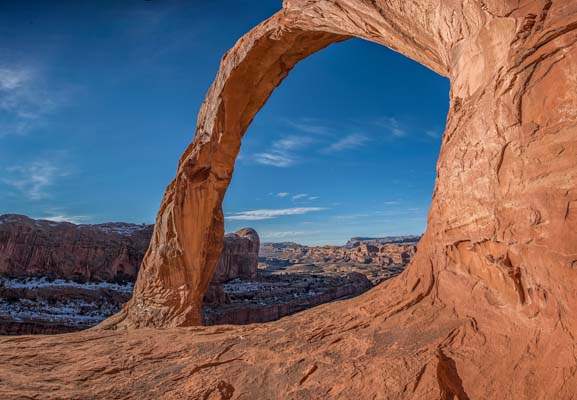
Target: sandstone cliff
column 239, row 257
column 103, row 252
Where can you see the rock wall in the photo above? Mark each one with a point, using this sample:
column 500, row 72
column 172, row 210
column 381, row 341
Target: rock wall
column 271, row 302
column 380, row 253
column 239, row 257
column 103, row 252
column 486, row 308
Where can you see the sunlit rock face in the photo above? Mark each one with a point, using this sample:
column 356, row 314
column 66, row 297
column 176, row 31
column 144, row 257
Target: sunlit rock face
column 103, row 252
column 486, row 308
column 239, row 256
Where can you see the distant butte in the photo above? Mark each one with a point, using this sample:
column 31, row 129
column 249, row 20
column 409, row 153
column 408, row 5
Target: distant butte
column 486, row 310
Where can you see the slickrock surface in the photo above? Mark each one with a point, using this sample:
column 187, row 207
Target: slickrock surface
column 486, row 310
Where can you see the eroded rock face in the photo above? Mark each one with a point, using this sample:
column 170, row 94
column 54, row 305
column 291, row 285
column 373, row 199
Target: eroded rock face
column 239, row 257
column 486, row 308
column 103, row 252
column 270, row 297
column 379, row 256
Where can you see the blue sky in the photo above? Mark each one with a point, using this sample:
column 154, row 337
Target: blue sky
column 99, row 99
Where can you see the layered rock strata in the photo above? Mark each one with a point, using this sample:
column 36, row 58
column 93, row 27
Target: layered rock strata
column 104, row 252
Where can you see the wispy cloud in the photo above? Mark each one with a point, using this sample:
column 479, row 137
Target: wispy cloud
column 350, row 217
column 304, row 196
column 257, row 215
column 347, row 143
column 393, row 125
column 34, row 179
column 275, row 159
column 432, row 134
column 285, row 234
column 282, row 153
column 58, row 215
column 311, row 125
column 23, row 99
column 282, row 194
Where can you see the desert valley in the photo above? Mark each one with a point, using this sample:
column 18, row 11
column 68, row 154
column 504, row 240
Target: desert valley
column 58, row 277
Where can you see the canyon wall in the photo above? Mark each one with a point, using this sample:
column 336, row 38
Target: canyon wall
column 239, row 257
column 102, row 252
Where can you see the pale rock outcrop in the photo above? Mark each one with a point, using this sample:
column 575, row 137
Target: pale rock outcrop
column 486, row 308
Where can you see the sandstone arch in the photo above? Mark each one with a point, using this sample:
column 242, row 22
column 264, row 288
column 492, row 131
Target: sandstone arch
column 189, row 228
column 486, row 309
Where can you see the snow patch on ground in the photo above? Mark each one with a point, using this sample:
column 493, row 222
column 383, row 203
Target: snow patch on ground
column 76, row 313
column 36, row 283
column 69, row 311
column 125, row 230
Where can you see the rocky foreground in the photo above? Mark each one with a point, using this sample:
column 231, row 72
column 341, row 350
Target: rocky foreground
column 58, row 277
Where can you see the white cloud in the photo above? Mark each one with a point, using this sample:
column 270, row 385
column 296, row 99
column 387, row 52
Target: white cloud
column 393, row 125
column 34, row 179
column 347, row 143
column 309, row 125
column 350, row 217
column 433, row 134
column 257, row 215
column 11, row 79
column 391, row 202
column 282, row 152
column 313, row 197
column 274, row 159
column 23, row 99
column 285, row 234
column 300, row 196
column 73, row 219
column 282, row 194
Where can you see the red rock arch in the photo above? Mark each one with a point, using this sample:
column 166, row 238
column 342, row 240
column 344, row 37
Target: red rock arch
column 491, row 227
column 189, row 228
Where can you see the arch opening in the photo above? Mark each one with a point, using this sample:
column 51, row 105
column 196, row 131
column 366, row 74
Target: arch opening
column 313, row 163
column 187, row 239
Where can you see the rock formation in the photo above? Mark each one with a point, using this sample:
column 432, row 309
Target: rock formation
column 275, row 255
column 239, row 257
column 270, row 297
column 486, row 308
column 103, row 252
